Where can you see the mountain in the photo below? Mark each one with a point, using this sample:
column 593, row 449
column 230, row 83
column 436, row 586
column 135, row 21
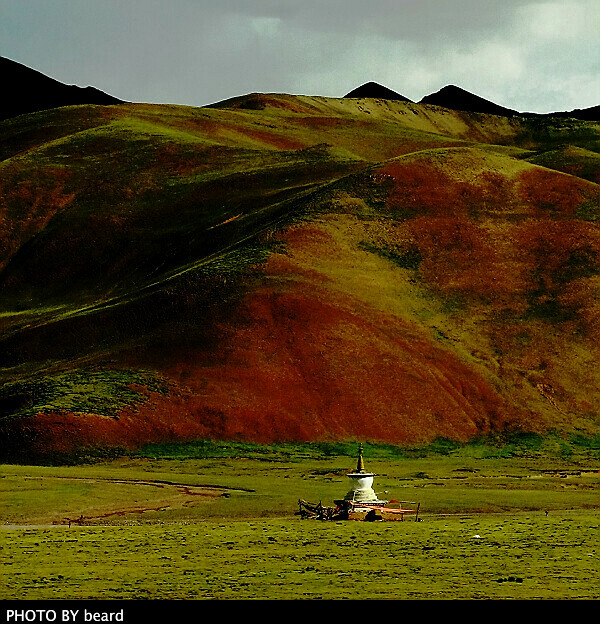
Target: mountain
column 295, row 268
column 377, row 91
column 456, row 98
column 27, row 90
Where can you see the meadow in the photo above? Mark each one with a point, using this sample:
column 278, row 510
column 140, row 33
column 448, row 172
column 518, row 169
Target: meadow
column 218, row 521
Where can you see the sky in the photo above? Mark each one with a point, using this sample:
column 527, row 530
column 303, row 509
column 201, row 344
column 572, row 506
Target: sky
column 526, row 55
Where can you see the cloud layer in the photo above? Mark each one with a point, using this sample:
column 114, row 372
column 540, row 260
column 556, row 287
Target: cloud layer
column 530, row 56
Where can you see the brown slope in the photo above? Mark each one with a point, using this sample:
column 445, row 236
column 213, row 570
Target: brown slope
column 445, row 292
column 312, row 352
column 334, row 341
column 316, row 354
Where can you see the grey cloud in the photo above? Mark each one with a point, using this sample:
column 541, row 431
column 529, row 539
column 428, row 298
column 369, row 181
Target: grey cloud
column 396, row 19
column 525, row 54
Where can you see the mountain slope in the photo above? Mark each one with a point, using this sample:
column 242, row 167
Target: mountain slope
column 27, row 90
column 279, row 267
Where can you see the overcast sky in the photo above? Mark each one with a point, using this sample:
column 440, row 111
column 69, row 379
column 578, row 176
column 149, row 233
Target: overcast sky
column 526, row 55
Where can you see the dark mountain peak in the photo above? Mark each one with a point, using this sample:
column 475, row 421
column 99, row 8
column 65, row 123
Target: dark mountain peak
column 375, row 91
column 455, row 98
column 27, row 90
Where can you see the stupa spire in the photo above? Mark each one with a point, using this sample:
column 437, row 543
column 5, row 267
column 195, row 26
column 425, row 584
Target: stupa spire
column 360, row 465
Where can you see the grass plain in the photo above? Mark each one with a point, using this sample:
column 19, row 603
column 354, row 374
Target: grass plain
column 217, row 521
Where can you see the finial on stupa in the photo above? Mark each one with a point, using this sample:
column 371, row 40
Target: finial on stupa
column 360, row 466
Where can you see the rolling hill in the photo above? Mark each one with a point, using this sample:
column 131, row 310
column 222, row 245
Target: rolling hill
column 295, row 268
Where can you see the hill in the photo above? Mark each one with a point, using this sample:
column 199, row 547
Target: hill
column 295, row 268
column 27, row 90
column 375, row 91
column 458, row 99
column 589, row 114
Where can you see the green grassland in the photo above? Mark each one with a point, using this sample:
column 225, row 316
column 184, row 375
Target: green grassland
column 516, row 519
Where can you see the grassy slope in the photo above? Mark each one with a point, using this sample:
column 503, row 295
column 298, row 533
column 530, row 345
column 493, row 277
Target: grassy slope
column 294, row 268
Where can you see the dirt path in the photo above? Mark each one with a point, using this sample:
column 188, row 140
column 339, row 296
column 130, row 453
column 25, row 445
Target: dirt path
column 176, row 495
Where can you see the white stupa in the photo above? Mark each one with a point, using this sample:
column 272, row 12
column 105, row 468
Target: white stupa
column 361, row 490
